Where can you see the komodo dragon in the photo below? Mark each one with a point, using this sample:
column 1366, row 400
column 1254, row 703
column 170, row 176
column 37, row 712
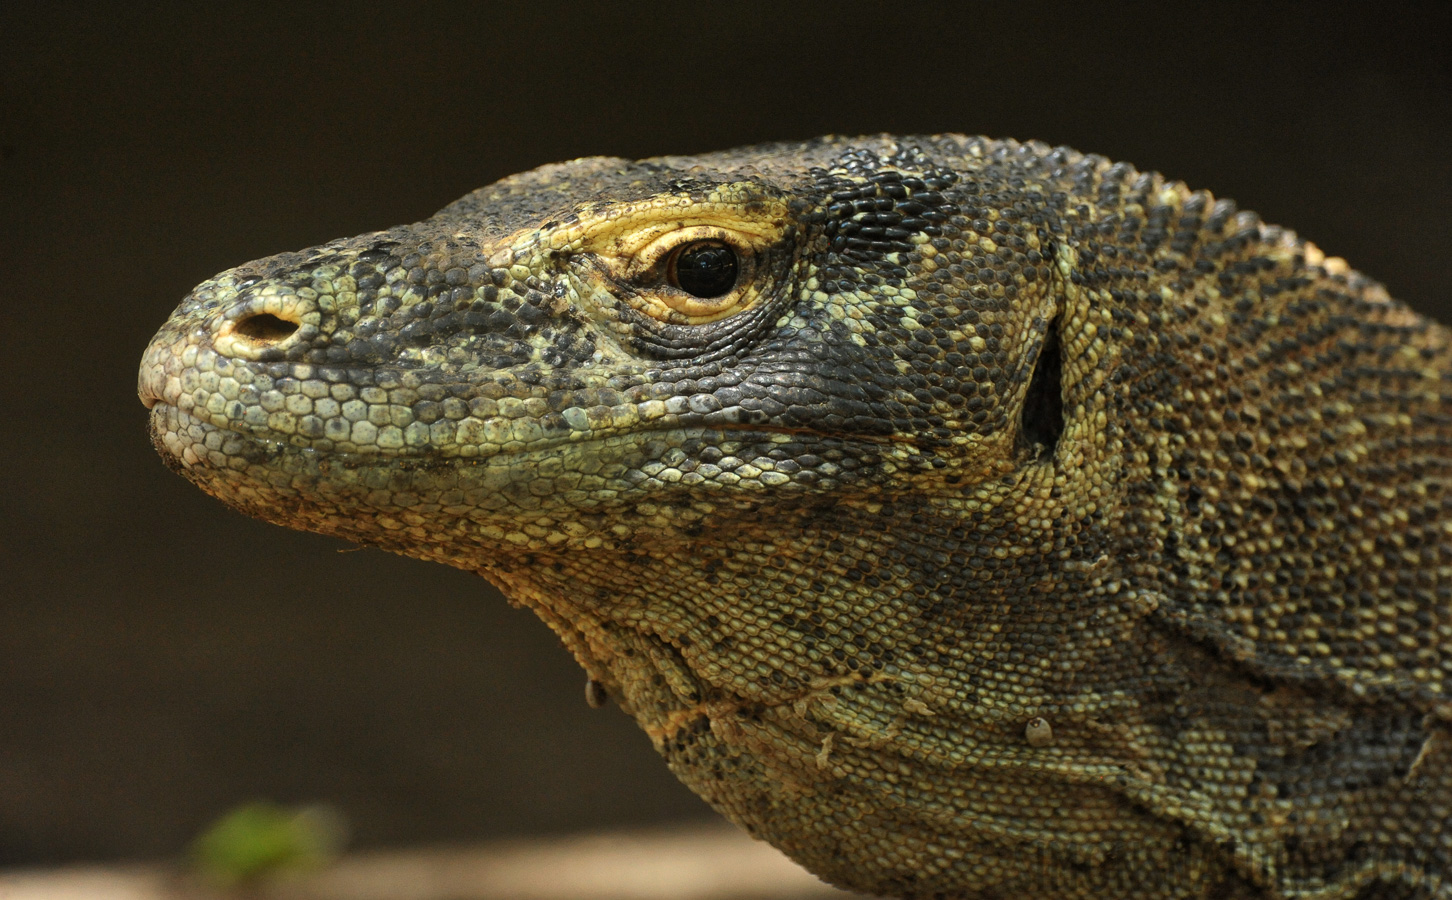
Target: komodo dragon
column 965, row 517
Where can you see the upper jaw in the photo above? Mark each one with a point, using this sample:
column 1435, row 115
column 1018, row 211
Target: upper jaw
column 154, row 381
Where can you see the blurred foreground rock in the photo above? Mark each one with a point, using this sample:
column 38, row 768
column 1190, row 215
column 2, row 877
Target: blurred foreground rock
column 698, row 863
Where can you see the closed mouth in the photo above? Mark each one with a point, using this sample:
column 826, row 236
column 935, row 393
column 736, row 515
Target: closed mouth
column 161, row 409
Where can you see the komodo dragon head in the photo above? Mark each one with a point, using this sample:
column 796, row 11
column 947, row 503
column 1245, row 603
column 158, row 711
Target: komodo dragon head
column 850, row 469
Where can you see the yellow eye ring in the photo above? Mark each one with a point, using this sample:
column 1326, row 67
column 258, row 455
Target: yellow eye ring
column 694, row 275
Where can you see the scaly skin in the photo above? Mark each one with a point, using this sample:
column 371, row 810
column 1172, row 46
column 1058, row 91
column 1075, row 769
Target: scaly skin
column 1020, row 525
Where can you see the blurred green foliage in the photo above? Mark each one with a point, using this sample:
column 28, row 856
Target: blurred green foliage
column 262, row 840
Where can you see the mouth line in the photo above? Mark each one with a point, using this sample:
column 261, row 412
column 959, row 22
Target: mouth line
column 158, row 406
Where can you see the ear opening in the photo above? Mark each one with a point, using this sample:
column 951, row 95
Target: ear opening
column 1043, row 405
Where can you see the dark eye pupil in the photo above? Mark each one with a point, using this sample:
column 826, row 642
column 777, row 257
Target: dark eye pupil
column 706, row 269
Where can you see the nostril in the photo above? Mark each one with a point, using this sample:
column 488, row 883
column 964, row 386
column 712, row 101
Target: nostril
column 264, row 328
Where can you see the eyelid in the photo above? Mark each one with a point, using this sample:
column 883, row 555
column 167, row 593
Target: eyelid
column 652, row 293
column 657, row 253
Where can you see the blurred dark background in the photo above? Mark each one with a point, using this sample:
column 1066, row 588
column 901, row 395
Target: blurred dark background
column 163, row 659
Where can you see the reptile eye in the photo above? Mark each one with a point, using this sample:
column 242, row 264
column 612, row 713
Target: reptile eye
column 704, row 269
column 693, row 274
